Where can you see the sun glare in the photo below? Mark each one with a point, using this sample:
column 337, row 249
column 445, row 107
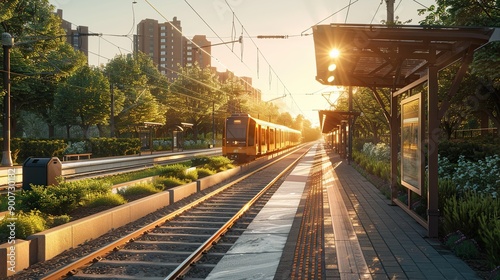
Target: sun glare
column 334, row 53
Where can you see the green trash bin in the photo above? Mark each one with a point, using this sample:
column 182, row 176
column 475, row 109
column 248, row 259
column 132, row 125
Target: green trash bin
column 41, row 171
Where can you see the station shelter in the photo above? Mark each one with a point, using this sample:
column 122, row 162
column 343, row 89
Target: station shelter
column 405, row 59
column 146, row 132
column 178, row 135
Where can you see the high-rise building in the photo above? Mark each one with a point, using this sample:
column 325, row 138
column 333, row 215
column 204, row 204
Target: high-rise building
column 78, row 38
column 168, row 49
column 199, row 50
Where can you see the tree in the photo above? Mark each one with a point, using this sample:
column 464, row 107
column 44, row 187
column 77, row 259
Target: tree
column 193, row 97
column 83, row 100
column 139, row 91
column 309, row 133
column 372, row 123
column 285, row 119
column 40, row 58
column 485, row 68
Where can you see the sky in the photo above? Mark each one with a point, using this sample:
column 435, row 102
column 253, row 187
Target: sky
column 283, row 69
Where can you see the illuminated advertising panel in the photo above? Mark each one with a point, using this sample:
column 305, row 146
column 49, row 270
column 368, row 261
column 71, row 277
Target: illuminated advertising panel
column 411, row 143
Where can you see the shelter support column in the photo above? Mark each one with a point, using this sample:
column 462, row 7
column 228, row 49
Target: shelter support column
column 432, row 152
column 394, row 127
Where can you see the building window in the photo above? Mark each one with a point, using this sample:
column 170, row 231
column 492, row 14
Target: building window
column 162, row 41
column 189, row 59
column 162, row 59
column 163, row 34
column 189, row 53
column 162, row 27
column 162, row 53
column 162, row 46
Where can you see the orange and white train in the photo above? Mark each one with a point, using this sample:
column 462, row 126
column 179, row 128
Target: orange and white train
column 246, row 138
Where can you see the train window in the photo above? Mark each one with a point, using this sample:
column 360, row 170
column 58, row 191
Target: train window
column 236, row 130
column 251, row 133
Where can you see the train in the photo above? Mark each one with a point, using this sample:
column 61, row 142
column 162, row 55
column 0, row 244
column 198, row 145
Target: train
column 245, row 138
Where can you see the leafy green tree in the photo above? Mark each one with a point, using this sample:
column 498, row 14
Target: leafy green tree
column 139, row 91
column 84, row 100
column 193, row 96
column 285, row 119
column 485, row 69
column 309, row 133
column 40, row 58
column 298, row 122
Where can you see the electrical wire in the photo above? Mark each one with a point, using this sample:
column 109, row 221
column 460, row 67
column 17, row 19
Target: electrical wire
column 376, row 12
column 302, row 33
column 348, row 9
column 420, row 4
column 265, row 59
column 233, row 33
column 197, row 46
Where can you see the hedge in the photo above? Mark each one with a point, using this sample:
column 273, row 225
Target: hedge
column 23, row 148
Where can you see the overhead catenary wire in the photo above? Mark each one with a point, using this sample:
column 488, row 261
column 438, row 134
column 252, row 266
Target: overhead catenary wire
column 261, row 54
column 376, row 12
column 196, row 45
column 338, row 11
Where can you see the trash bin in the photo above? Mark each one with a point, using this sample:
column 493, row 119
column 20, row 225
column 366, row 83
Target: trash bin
column 41, row 171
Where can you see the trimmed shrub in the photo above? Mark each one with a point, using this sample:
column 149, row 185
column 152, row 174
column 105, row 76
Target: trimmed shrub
column 173, row 170
column 204, row 172
column 104, row 147
column 218, row 163
column 109, row 199
column 61, row 199
column 53, row 221
column 170, row 182
column 140, row 189
column 26, row 225
column 22, row 148
column 190, row 175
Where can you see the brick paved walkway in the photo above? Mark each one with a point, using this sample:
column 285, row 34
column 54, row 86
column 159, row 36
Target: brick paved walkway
column 394, row 246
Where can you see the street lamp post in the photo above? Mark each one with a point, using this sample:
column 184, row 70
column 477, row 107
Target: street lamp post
column 7, row 43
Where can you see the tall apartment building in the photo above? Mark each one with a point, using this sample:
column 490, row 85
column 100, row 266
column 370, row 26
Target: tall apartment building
column 168, row 49
column 78, row 38
column 164, row 43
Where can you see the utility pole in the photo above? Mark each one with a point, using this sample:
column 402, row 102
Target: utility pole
column 7, row 43
column 112, row 113
column 390, row 11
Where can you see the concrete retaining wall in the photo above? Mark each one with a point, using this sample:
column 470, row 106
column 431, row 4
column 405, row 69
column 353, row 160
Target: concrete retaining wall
column 15, row 256
column 45, row 245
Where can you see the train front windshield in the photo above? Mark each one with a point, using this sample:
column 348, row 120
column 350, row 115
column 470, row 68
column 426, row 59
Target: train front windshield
column 236, row 131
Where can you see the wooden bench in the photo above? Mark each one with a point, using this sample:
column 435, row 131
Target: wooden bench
column 76, row 156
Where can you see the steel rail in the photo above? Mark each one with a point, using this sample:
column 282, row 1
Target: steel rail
column 187, row 263
column 70, row 269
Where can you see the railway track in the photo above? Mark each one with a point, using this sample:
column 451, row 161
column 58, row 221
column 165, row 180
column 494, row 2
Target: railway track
column 181, row 241
column 74, row 170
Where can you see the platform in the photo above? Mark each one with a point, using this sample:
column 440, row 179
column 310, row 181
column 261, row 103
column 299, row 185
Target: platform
column 361, row 237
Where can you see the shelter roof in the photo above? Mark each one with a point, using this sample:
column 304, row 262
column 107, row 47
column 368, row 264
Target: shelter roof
column 389, row 56
column 330, row 120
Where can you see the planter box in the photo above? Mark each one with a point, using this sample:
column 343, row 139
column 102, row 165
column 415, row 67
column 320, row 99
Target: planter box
column 47, row 244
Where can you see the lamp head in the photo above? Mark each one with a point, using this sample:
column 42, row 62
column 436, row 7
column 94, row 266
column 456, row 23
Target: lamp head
column 7, row 40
